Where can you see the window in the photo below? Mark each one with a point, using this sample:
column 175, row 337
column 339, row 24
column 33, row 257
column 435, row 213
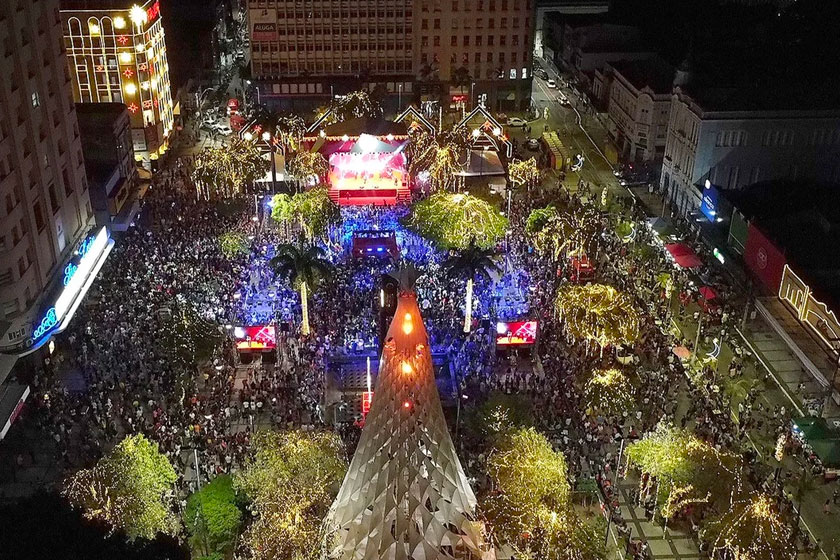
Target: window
column 55, row 204
column 36, row 102
column 437, row 24
column 513, row 73
column 40, row 223
column 454, row 41
column 466, row 40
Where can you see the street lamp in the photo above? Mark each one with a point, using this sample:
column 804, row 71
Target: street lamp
column 399, row 97
column 266, row 136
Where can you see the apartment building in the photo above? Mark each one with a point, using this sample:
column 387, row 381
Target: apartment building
column 116, row 53
column 414, row 49
column 725, row 137
column 45, row 210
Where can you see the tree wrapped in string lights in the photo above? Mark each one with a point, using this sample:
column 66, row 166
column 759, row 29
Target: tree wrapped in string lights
column 453, row 221
column 233, row 244
column 685, row 470
column 524, row 173
column 130, row 489
column 438, row 158
column 598, row 313
column 291, row 480
column 225, row 172
column 530, row 508
column 312, row 211
column 352, row 106
column 309, row 168
column 557, row 234
column 608, row 392
column 752, row 529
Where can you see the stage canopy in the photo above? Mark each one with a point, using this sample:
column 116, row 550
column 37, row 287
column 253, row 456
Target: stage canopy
column 482, row 163
column 683, row 255
column 354, row 128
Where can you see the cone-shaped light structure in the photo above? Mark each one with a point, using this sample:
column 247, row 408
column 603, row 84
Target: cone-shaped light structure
column 405, row 495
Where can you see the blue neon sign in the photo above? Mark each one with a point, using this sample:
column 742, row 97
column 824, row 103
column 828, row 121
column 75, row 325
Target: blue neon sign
column 48, row 322
column 69, row 271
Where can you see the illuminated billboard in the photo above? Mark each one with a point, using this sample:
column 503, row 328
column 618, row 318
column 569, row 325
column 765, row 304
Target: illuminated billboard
column 255, row 339
column 516, row 333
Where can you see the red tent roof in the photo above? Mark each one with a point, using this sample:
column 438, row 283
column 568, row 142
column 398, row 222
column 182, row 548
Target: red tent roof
column 683, row 255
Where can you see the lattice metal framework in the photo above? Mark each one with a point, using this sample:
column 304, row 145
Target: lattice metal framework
column 405, row 495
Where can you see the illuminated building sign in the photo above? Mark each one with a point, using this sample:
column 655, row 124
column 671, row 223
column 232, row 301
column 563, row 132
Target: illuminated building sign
column 153, row 12
column 516, row 333
column 367, row 398
column 86, row 263
column 47, row 323
column 257, row 338
column 709, row 204
column 814, row 314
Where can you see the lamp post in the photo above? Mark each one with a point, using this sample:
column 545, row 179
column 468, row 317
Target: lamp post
column 472, row 95
column 399, row 97
column 199, row 100
column 266, row 136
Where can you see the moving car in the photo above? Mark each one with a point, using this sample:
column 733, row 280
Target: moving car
column 551, row 83
column 516, row 121
column 563, row 99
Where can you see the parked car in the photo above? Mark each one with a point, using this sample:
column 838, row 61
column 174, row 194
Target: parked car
column 551, row 83
column 516, row 121
column 224, row 130
column 532, row 144
column 542, row 74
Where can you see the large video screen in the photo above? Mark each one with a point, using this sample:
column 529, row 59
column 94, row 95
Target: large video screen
column 516, row 333
column 256, row 338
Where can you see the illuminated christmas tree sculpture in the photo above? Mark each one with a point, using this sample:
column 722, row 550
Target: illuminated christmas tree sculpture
column 405, row 495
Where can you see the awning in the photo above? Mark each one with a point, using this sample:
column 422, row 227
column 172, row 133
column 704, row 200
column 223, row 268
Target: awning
column 708, row 293
column 812, row 428
column 682, row 352
column 683, row 255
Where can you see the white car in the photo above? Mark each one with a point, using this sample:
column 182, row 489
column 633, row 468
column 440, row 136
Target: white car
column 516, row 121
column 563, row 99
column 224, row 130
column 551, row 83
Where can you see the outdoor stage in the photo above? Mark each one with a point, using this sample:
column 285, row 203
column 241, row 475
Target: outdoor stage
column 376, row 178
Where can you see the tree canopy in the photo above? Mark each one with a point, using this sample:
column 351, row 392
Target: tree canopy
column 312, row 210
column 599, row 313
column 291, row 480
column 453, row 221
column 212, row 517
column 131, row 489
column 225, row 172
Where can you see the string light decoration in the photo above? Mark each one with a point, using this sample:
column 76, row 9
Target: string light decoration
column 530, row 508
column 312, row 211
column 130, row 489
column 310, row 168
column 608, row 392
column 438, row 157
column 598, row 313
column 453, row 221
column 569, row 233
column 354, row 105
column 752, row 529
column 225, row 172
column 524, row 173
column 233, row 244
column 291, row 479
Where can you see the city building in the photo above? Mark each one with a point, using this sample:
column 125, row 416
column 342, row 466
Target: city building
column 473, row 50
column 45, row 211
column 638, row 101
column 109, row 163
column 732, row 138
column 116, row 53
column 563, row 8
column 587, row 47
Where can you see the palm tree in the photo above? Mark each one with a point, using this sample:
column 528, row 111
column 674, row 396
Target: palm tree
column 304, row 268
column 469, row 263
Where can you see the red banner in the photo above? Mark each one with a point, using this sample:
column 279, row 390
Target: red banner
column 764, row 259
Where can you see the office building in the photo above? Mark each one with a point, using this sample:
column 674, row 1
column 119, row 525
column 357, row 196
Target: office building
column 116, row 53
column 733, row 138
column 413, row 49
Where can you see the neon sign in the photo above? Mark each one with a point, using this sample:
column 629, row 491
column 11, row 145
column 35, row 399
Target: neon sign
column 153, row 12
column 69, row 271
column 48, row 322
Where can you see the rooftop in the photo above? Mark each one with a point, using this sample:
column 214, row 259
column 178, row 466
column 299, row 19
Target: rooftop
column 653, row 72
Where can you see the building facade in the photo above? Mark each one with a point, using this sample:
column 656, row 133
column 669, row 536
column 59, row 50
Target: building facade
column 116, row 53
column 109, row 163
column 413, row 49
column 639, row 104
column 737, row 148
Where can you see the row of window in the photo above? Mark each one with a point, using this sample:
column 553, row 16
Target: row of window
column 330, row 67
column 467, row 5
column 465, row 58
column 311, row 47
column 478, row 40
column 343, row 29
column 479, row 23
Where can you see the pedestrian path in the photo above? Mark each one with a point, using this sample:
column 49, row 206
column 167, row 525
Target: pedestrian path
column 663, row 543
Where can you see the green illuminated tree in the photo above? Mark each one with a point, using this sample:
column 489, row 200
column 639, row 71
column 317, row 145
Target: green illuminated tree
column 539, row 218
column 529, row 508
column 608, row 392
column 524, row 173
column 312, row 211
column 131, row 489
column 233, row 244
column 305, row 269
column 212, row 518
column 309, row 168
column 291, row 480
column 225, row 172
column 453, row 221
column 469, row 263
column 752, row 529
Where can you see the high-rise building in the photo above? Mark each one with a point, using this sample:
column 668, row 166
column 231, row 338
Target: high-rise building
column 410, row 48
column 117, row 54
column 405, row 494
column 48, row 254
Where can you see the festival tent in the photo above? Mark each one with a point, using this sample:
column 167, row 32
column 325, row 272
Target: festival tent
column 683, row 255
column 661, row 227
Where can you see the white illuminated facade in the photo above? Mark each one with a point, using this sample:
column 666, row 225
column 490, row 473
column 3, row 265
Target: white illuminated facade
column 117, row 54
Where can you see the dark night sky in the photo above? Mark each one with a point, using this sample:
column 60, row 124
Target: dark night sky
column 188, row 24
